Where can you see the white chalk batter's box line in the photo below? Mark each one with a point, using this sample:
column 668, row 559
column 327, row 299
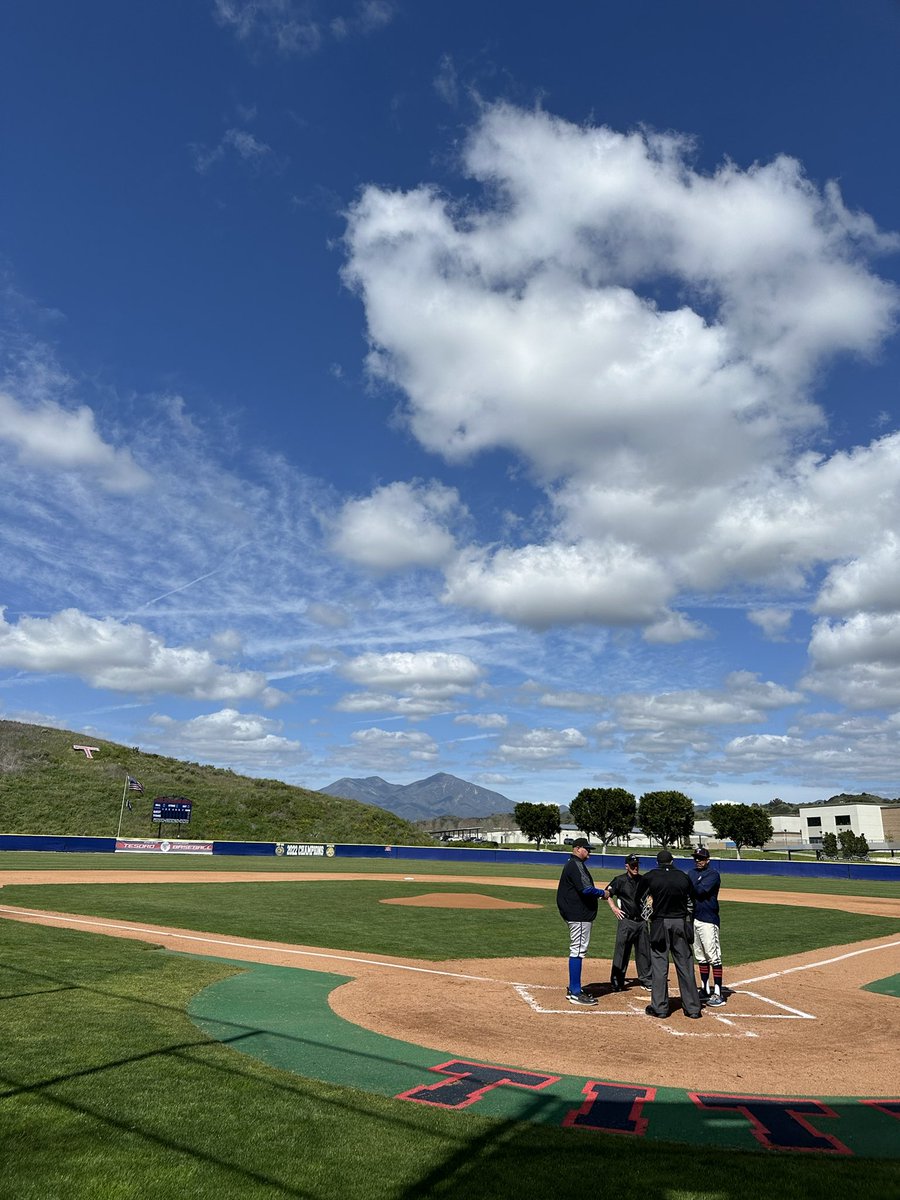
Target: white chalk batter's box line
column 789, row 1014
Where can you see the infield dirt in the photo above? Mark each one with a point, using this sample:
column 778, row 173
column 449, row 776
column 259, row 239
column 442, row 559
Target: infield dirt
column 795, row 1025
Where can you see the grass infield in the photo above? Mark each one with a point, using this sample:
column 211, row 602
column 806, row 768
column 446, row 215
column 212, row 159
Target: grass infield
column 109, row 1092
column 348, row 915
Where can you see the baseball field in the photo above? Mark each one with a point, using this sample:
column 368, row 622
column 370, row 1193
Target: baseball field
column 265, row 1028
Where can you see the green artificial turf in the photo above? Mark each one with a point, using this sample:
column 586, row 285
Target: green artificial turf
column 109, row 1092
column 348, row 915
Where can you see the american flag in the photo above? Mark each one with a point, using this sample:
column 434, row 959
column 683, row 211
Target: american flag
column 134, row 786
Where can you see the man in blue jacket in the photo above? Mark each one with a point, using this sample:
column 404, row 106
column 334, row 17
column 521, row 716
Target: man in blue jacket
column 576, row 899
column 707, row 944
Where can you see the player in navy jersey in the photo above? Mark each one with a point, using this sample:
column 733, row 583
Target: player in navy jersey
column 707, row 942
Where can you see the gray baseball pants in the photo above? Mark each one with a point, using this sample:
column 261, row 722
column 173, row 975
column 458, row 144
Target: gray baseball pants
column 668, row 937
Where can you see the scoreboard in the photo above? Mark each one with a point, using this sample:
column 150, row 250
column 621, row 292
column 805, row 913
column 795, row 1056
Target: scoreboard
column 172, row 810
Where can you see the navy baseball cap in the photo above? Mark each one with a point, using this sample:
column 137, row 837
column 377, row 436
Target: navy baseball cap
column 701, row 852
column 582, row 842
column 664, row 857
column 632, row 860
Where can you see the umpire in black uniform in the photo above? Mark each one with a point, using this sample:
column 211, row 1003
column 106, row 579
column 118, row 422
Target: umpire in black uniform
column 671, row 892
column 631, row 929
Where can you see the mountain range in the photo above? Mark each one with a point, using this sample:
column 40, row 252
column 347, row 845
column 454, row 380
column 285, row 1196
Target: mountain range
column 437, row 796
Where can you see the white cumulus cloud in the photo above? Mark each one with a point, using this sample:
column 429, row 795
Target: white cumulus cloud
column 671, row 435
column 229, row 735
column 431, row 674
column 399, row 525
column 53, row 438
column 386, row 749
column 123, row 657
column 540, row 745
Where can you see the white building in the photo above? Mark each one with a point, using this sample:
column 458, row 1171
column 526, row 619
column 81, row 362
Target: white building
column 870, row 820
column 787, row 830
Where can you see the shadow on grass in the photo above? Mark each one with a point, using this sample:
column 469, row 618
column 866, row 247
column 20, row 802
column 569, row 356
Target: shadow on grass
column 465, row 1150
column 454, row 1154
column 242, row 1031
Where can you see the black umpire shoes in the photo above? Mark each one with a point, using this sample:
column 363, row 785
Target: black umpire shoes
column 651, row 1012
column 693, row 1016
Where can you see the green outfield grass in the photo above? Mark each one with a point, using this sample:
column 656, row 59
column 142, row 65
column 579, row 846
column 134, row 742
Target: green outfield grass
column 109, row 1092
column 27, row 860
column 348, row 915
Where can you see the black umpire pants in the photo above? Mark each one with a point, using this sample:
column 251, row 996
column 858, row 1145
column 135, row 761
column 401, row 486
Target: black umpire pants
column 630, row 933
column 668, row 937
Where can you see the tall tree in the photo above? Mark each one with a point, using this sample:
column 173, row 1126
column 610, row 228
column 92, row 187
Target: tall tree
column 743, row 824
column 666, row 817
column 606, row 812
column 538, row 822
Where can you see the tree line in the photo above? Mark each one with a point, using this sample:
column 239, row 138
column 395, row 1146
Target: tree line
column 665, row 817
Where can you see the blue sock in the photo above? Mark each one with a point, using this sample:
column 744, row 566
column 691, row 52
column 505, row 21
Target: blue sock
column 575, row 975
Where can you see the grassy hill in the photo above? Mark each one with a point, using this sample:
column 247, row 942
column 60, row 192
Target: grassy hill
column 47, row 787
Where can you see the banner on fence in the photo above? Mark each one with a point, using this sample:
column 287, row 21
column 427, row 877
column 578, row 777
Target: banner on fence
column 161, row 846
column 303, row 849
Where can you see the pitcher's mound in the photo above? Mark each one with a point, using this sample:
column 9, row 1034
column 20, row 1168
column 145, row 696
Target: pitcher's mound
column 457, row 900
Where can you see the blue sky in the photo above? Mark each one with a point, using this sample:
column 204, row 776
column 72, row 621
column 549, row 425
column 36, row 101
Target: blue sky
column 393, row 388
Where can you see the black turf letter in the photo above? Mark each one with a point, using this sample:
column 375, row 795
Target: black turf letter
column 612, row 1108
column 469, row 1081
column 777, row 1123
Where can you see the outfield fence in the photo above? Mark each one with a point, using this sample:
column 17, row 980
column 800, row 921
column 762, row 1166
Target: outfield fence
column 600, row 863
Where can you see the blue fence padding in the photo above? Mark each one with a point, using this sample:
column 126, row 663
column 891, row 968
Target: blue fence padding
column 366, row 851
column 263, row 848
column 445, row 854
column 36, row 841
column 602, row 865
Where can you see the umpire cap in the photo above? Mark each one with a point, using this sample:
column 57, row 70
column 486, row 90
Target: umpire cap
column 632, row 861
column 579, row 842
column 664, row 858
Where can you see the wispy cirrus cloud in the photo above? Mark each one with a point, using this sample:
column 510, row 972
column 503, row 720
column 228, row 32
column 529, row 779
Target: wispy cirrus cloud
column 238, row 143
column 299, row 28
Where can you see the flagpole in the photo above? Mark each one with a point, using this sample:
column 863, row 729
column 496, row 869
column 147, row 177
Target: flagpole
column 122, row 809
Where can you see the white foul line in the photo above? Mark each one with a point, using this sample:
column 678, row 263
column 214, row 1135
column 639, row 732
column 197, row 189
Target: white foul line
column 774, row 1016
column 269, row 946
column 369, row 962
column 811, row 966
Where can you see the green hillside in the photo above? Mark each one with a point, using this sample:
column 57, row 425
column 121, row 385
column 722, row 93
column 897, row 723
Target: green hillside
column 47, row 787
